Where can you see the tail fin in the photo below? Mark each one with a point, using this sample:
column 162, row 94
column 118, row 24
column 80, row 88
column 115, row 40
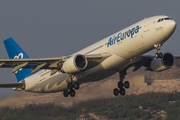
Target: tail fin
column 15, row 52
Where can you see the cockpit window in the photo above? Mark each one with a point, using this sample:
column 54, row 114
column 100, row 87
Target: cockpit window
column 160, row 20
column 167, row 18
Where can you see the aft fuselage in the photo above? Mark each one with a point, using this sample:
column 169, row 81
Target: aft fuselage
column 124, row 46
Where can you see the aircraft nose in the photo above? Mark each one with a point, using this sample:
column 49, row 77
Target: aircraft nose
column 172, row 25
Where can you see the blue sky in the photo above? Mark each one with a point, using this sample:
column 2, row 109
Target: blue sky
column 45, row 28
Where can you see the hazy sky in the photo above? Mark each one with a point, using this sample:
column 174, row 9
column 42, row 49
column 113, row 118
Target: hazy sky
column 53, row 28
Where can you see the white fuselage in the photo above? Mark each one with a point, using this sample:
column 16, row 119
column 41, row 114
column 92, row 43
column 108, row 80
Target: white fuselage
column 125, row 45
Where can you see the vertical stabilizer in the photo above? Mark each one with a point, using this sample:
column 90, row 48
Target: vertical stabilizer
column 15, row 52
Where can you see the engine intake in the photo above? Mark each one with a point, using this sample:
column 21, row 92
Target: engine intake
column 74, row 64
column 161, row 64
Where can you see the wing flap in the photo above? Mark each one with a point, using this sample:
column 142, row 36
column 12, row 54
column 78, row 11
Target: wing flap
column 38, row 67
column 19, row 67
column 2, row 64
column 31, row 63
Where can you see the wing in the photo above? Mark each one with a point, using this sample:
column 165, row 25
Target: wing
column 54, row 64
column 140, row 61
column 144, row 60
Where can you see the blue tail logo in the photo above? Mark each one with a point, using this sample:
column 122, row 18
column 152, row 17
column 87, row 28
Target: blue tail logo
column 16, row 52
column 20, row 56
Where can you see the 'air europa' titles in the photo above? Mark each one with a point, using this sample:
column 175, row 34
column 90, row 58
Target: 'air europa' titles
column 123, row 36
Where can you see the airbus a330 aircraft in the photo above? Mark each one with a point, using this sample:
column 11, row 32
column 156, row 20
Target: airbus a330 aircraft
column 115, row 53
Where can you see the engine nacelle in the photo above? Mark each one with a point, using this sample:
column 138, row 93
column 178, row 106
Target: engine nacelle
column 161, row 64
column 74, row 64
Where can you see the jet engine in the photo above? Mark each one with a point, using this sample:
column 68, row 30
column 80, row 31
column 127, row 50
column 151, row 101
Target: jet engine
column 74, row 64
column 161, row 64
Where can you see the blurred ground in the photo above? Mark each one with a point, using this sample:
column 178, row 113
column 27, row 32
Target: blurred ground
column 99, row 89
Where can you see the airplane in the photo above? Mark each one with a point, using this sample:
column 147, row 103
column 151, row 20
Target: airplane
column 113, row 54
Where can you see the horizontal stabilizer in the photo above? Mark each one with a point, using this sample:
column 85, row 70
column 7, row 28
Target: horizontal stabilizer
column 11, row 85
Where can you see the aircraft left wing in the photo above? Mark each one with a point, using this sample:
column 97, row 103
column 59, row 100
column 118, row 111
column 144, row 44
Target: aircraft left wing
column 11, row 85
column 152, row 63
column 54, row 64
column 140, row 61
